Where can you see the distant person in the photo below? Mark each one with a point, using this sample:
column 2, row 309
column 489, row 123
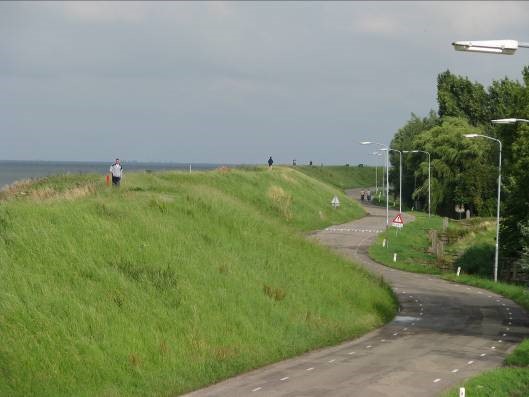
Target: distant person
column 294, row 162
column 368, row 195
column 117, row 172
column 362, row 195
column 310, row 163
column 270, row 162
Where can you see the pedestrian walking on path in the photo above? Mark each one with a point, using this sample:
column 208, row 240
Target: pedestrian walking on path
column 270, row 162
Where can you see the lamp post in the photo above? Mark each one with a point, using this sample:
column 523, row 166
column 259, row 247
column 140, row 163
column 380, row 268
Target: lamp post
column 376, row 174
column 429, row 176
column 387, row 176
column 400, row 176
column 505, row 47
column 498, row 206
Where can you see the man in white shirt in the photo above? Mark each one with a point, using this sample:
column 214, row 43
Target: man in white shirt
column 117, row 172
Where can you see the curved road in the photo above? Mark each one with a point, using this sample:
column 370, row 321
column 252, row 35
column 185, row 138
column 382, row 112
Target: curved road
column 444, row 332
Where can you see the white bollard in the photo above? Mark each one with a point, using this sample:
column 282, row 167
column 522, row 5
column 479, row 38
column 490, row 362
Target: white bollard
column 461, row 392
column 395, row 257
column 458, row 270
column 384, row 243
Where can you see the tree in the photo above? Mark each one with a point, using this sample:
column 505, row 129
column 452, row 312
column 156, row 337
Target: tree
column 459, row 97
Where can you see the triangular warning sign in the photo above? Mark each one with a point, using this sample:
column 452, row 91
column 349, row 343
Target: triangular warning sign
column 398, row 219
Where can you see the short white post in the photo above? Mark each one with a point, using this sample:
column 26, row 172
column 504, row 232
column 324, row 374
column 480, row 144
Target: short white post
column 458, row 270
column 384, row 243
column 394, row 257
column 190, row 168
column 461, row 392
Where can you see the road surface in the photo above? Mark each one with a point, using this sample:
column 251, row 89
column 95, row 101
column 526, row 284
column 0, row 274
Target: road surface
column 443, row 333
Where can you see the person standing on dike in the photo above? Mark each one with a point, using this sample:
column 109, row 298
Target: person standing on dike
column 117, row 172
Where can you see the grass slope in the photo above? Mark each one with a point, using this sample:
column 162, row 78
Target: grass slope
column 341, row 176
column 411, row 244
column 172, row 282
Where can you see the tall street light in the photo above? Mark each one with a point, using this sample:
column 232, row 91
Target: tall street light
column 376, row 173
column 429, row 176
column 387, row 176
column 505, row 47
column 400, row 177
column 498, row 207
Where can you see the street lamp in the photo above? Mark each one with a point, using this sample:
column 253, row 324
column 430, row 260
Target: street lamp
column 400, row 177
column 498, row 206
column 376, row 173
column 505, row 47
column 387, row 176
column 509, row 121
column 429, row 176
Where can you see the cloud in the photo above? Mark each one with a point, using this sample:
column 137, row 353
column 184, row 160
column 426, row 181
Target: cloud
column 102, row 11
column 260, row 74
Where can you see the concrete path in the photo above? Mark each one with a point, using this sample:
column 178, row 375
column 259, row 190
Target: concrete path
column 444, row 332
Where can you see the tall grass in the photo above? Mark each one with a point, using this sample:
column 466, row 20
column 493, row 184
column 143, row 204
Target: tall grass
column 172, row 282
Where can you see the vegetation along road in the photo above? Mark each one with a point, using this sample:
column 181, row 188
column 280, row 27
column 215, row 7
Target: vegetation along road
column 444, row 333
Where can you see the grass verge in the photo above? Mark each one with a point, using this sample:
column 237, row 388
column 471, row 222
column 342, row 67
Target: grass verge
column 172, row 282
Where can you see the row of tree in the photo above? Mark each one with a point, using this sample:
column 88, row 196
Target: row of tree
column 465, row 171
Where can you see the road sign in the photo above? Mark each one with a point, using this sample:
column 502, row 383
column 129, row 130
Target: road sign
column 397, row 221
column 335, row 202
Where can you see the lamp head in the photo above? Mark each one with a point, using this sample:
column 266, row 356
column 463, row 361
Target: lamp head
column 509, row 121
column 366, row 143
column 505, row 47
column 471, row 135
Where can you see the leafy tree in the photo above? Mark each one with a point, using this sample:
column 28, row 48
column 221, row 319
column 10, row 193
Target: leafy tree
column 459, row 97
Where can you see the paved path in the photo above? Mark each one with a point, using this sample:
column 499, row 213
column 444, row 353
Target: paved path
column 443, row 333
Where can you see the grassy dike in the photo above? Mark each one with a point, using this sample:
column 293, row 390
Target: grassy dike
column 343, row 177
column 172, row 282
column 411, row 246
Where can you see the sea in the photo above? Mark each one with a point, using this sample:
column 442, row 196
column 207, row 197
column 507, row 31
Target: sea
column 14, row 170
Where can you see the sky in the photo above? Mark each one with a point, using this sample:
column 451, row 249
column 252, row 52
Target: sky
column 233, row 82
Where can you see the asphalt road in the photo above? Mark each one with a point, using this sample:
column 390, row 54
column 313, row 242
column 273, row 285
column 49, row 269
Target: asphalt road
column 444, row 332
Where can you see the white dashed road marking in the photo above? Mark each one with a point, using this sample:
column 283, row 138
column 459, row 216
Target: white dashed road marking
column 437, row 380
column 285, row 378
column 256, row 389
column 309, row 369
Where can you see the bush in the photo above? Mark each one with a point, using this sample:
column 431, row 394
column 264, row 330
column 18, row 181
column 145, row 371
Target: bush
column 477, row 259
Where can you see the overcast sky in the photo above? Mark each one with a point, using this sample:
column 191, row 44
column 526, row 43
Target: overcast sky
column 233, row 82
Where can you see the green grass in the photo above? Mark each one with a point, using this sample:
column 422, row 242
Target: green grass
column 172, row 282
column 501, row 382
column 342, row 177
column 411, row 245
